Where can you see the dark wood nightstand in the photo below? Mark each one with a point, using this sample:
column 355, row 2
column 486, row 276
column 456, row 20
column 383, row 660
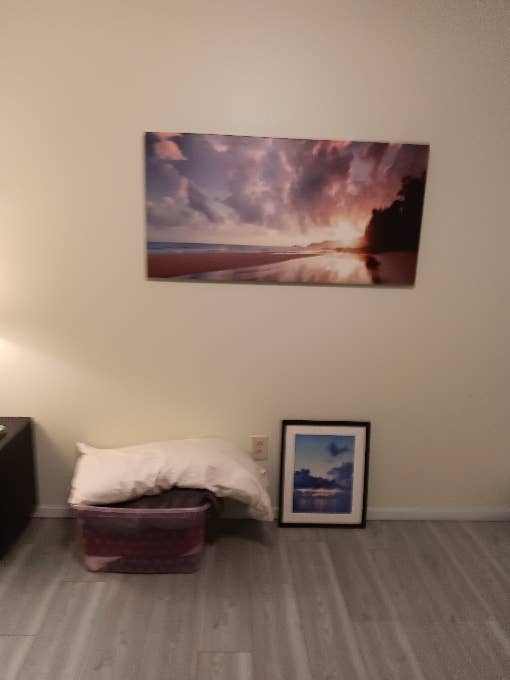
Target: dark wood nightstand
column 17, row 480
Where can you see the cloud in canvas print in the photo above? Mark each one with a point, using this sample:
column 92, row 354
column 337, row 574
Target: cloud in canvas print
column 323, row 472
column 229, row 208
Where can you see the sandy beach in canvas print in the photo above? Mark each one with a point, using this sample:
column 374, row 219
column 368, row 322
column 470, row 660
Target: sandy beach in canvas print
column 228, row 208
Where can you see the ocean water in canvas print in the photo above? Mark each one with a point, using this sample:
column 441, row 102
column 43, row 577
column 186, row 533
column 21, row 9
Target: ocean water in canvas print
column 264, row 209
column 323, row 473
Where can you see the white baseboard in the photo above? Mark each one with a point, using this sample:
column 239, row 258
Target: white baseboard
column 53, row 511
column 445, row 514
column 461, row 514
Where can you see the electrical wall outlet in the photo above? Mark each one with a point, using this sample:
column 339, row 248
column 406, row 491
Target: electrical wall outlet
column 259, row 447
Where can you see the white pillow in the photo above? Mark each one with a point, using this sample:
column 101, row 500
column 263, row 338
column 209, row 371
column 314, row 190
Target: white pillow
column 106, row 476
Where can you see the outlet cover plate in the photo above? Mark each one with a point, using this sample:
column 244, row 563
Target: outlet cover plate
column 259, row 447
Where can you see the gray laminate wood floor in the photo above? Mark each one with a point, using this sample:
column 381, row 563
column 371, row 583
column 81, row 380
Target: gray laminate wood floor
column 394, row 601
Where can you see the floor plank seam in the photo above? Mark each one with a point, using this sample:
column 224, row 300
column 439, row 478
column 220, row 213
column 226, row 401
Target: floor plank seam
column 487, row 554
column 402, row 637
column 463, row 574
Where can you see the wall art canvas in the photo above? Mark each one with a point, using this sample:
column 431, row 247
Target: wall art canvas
column 324, row 471
column 264, row 209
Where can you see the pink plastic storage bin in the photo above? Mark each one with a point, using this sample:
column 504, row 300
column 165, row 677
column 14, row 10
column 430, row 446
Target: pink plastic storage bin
column 141, row 540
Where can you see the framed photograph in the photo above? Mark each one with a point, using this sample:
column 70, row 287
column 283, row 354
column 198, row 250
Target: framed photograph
column 283, row 211
column 324, row 473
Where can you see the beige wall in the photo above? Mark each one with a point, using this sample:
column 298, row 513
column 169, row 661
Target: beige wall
column 95, row 352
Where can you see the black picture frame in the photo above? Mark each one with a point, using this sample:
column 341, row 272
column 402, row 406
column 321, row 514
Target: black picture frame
column 312, row 495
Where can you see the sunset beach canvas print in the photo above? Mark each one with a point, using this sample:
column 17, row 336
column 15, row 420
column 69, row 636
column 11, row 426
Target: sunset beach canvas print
column 274, row 210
